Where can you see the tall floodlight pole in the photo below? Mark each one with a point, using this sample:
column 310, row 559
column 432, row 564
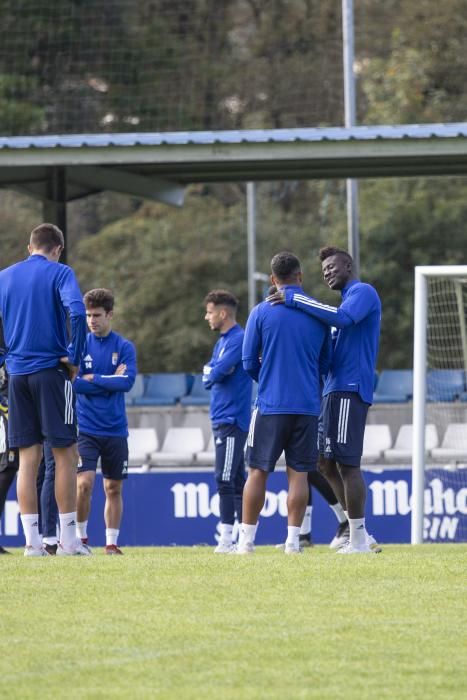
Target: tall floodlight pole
column 350, row 120
column 251, row 248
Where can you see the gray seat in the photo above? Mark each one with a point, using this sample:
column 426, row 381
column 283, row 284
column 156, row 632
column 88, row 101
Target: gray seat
column 376, row 440
column 179, row 446
column 402, row 450
column 454, row 445
column 142, row 442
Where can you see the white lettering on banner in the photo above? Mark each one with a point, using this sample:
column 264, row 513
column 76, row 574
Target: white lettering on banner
column 440, row 501
column 440, row 528
column 194, row 500
column 390, row 497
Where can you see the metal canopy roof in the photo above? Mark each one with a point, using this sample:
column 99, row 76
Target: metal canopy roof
column 159, row 165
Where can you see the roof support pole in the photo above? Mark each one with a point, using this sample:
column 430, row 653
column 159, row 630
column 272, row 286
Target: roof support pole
column 54, row 207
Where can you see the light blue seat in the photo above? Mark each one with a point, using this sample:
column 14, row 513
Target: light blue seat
column 444, row 384
column 163, row 389
column 136, row 391
column 394, row 386
column 198, row 395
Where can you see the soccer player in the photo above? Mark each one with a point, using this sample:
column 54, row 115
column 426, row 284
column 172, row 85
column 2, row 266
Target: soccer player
column 36, row 296
column 286, row 354
column 230, row 409
column 348, row 390
column 108, row 370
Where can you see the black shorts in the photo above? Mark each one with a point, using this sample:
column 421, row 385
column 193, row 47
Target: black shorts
column 41, row 407
column 113, row 452
column 295, row 434
column 229, row 442
column 343, row 415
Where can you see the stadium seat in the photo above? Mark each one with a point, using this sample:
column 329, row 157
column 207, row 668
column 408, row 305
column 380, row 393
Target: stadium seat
column 207, row 456
column 163, row 389
column 454, row 445
column 394, row 386
column 198, row 395
column 180, row 446
column 444, row 384
column 142, row 442
column 376, row 440
column 402, row 450
column 136, row 391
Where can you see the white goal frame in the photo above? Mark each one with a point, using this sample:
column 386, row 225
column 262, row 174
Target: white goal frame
column 419, row 383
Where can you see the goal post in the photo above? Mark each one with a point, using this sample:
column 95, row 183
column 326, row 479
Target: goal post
column 444, row 358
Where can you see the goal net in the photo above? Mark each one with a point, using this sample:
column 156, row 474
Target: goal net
column 439, row 466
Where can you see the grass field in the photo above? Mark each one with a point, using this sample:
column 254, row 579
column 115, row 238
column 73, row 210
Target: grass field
column 185, row 623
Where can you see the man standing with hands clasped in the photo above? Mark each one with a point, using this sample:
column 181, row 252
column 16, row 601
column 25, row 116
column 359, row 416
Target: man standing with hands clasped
column 348, row 390
column 108, row 370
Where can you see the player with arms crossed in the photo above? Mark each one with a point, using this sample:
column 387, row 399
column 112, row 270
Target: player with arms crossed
column 230, row 409
column 286, row 353
column 107, row 371
column 36, row 296
column 348, row 390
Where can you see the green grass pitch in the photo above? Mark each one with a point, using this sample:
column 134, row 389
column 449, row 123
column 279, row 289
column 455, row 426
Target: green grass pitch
column 186, row 623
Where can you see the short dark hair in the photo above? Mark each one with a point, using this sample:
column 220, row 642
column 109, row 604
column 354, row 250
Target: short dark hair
column 285, row 265
column 221, row 297
column 330, row 250
column 46, row 237
column 96, row 298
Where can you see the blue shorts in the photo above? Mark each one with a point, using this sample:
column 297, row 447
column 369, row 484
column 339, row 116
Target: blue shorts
column 229, row 443
column 41, row 407
column 113, row 452
column 343, row 415
column 295, row 434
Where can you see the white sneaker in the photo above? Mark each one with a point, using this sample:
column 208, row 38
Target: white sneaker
column 290, row 548
column 245, row 548
column 35, row 552
column 79, row 550
column 225, row 548
column 362, row 549
column 372, row 543
column 342, row 536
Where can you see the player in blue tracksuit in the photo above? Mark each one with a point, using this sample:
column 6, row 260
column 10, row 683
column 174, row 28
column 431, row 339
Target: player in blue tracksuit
column 230, row 409
column 286, row 354
column 37, row 297
column 348, row 390
column 107, row 372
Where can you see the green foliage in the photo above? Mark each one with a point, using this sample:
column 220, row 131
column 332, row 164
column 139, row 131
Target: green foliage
column 183, row 623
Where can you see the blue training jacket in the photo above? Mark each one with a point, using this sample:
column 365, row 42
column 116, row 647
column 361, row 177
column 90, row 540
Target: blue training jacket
column 35, row 297
column 230, row 385
column 100, row 405
column 358, row 321
column 286, row 353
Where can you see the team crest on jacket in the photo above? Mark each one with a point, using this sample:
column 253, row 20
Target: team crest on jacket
column 114, row 358
column 88, row 362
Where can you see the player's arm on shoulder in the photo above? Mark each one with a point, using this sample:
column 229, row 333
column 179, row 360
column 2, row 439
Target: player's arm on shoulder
column 361, row 301
column 251, row 348
column 331, row 315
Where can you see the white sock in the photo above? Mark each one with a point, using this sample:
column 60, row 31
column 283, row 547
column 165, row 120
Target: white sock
column 82, row 530
column 357, row 532
column 226, row 531
column 306, row 522
column 111, row 536
column 346, row 513
column 31, row 530
column 67, row 530
column 247, row 533
column 293, row 534
column 339, row 512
